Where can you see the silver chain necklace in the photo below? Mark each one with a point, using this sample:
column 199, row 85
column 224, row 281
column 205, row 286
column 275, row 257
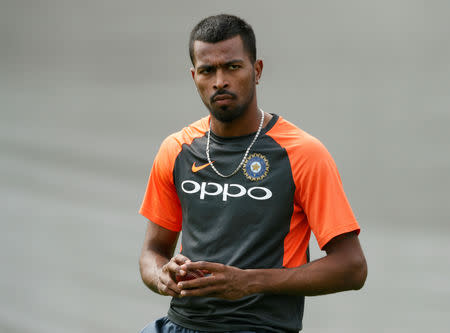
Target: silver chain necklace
column 246, row 152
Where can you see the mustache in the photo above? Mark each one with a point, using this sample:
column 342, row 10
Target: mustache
column 222, row 92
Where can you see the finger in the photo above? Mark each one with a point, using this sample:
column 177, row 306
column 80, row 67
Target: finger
column 181, row 259
column 203, row 265
column 202, row 282
column 208, row 291
column 168, row 284
column 173, row 267
column 166, row 291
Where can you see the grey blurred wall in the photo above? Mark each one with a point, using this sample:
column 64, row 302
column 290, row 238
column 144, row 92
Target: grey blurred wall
column 89, row 89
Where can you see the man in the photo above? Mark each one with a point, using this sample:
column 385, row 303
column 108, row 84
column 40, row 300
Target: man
column 246, row 188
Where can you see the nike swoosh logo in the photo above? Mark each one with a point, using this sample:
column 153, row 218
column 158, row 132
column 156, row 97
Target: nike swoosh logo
column 198, row 168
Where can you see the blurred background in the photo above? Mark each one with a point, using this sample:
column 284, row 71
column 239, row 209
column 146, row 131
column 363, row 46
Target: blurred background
column 89, row 89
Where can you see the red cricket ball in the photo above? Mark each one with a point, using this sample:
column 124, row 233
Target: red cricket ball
column 190, row 275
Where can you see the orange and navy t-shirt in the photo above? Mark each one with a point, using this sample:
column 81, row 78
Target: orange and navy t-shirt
column 261, row 217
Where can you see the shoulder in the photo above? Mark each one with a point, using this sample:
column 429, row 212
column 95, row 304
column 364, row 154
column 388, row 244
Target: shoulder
column 173, row 143
column 297, row 142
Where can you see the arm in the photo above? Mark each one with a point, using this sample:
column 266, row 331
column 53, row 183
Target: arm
column 343, row 268
column 156, row 264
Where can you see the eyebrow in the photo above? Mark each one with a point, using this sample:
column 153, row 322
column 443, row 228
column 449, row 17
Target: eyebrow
column 234, row 61
column 225, row 64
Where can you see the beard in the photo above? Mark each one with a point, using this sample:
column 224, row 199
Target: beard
column 228, row 113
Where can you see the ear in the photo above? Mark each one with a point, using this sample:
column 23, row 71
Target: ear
column 258, row 69
column 193, row 73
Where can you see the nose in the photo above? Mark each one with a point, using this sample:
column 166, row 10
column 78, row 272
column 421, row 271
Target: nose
column 221, row 81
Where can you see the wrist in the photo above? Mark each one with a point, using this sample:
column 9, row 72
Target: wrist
column 254, row 281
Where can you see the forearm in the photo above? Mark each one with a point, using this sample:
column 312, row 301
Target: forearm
column 150, row 265
column 157, row 251
column 327, row 275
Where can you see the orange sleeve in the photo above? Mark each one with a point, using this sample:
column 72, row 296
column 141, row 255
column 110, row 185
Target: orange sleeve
column 321, row 194
column 161, row 204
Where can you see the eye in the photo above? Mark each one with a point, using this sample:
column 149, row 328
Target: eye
column 205, row 70
column 234, row 66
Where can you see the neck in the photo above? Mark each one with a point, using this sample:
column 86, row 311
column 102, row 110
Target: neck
column 247, row 123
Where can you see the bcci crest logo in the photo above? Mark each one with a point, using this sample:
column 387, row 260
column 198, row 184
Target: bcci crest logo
column 256, row 167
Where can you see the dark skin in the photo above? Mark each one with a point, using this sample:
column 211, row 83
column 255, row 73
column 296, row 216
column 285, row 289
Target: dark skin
column 343, row 268
column 227, row 66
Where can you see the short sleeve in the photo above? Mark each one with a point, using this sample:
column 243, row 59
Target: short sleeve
column 322, row 196
column 161, row 204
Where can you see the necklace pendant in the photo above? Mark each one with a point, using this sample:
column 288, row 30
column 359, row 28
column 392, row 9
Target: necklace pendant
column 245, row 154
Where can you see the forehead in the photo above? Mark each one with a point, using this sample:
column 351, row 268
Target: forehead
column 220, row 52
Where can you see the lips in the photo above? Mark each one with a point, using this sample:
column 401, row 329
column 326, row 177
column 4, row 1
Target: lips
column 222, row 97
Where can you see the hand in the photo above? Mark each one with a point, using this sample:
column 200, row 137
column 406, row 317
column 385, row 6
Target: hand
column 225, row 282
column 166, row 280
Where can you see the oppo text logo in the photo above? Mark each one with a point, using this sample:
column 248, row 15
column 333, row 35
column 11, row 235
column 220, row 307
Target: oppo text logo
column 225, row 190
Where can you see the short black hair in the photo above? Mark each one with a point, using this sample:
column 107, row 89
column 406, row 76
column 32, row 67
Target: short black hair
column 221, row 27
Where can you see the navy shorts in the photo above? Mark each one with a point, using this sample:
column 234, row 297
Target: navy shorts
column 164, row 325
